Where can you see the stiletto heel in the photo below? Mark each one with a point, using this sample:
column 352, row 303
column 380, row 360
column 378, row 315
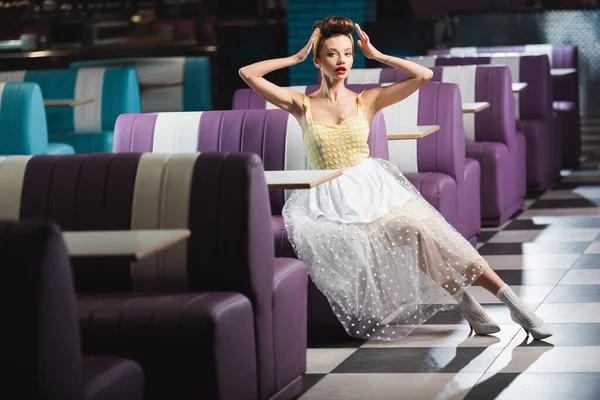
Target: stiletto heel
column 541, row 330
column 522, row 315
column 481, row 328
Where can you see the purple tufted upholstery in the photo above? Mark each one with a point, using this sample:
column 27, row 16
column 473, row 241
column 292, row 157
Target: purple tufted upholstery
column 491, row 136
column 560, row 55
column 565, row 91
column 267, row 133
column 494, row 141
column 199, row 317
column 536, row 117
column 272, row 134
column 42, row 341
column 438, row 172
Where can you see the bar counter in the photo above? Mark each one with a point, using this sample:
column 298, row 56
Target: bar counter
column 60, row 58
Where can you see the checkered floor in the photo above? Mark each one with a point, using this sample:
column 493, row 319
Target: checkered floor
column 550, row 254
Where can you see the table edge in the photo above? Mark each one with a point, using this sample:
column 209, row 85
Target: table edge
column 178, row 236
column 432, row 129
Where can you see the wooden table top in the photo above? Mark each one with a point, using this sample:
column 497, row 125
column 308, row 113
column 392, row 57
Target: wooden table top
column 519, row 87
column 414, row 132
column 562, row 71
column 301, row 179
column 147, row 86
column 469, row 108
column 130, row 244
column 55, row 103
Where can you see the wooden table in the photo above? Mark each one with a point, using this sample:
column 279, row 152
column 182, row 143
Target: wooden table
column 55, row 103
column 562, row 71
column 415, row 132
column 469, row 108
column 301, row 179
column 147, row 86
column 519, row 87
column 132, row 245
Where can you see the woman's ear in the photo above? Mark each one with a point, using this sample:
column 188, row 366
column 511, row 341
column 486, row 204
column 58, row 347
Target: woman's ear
column 317, row 63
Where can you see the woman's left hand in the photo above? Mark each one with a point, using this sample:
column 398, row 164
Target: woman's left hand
column 365, row 43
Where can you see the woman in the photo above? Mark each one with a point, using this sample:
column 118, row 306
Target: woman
column 384, row 257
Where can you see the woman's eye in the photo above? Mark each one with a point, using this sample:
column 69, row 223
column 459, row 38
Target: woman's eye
column 348, row 54
column 331, row 54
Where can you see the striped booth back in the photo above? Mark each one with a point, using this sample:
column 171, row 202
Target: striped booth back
column 88, row 127
column 434, row 104
column 491, row 83
column 166, row 83
column 559, row 55
column 534, row 111
column 274, row 135
column 534, row 49
column 533, row 103
column 200, row 192
column 566, row 88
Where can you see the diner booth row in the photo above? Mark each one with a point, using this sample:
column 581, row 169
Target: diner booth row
column 168, row 246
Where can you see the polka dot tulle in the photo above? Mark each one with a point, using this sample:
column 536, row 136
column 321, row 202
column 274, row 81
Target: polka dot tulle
column 385, row 276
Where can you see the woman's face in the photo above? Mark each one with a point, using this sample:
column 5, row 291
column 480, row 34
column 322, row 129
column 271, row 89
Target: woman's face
column 335, row 57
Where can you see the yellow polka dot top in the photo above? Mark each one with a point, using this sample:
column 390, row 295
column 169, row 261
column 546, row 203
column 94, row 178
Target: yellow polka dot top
column 330, row 146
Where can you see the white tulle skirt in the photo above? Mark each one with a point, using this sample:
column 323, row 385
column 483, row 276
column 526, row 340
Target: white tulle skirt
column 382, row 255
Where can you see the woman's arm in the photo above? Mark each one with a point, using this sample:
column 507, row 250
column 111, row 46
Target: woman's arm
column 284, row 98
column 381, row 97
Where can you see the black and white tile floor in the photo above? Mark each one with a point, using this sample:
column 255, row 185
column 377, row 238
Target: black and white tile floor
column 550, row 254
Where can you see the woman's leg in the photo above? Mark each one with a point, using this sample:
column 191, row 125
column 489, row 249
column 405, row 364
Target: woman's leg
column 490, row 281
column 443, row 266
column 437, row 241
column 520, row 313
column 407, row 231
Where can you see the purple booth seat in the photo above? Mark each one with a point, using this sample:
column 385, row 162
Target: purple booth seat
column 272, row 134
column 535, row 116
column 565, row 88
column 42, row 342
column 492, row 138
column 490, row 134
column 216, row 316
column 444, row 178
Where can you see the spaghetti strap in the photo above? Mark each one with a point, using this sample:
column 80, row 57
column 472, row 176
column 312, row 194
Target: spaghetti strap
column 308, row 114
column 360, row 104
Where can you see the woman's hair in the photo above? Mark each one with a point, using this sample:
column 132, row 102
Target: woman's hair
column 332, row 26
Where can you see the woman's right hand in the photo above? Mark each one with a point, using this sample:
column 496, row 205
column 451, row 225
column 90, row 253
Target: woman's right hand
column 282, row 97
column 305, row 51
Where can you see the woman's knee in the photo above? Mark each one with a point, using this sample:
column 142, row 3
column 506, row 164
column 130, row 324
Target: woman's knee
column 405, row 229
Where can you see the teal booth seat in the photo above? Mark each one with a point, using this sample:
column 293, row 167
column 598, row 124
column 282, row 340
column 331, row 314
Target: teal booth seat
column 88, row 128
column 23, row 128
column 167, row 83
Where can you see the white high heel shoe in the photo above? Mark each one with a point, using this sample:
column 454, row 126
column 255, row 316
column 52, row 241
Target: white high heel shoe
column 475, row 315
column 522, row 315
